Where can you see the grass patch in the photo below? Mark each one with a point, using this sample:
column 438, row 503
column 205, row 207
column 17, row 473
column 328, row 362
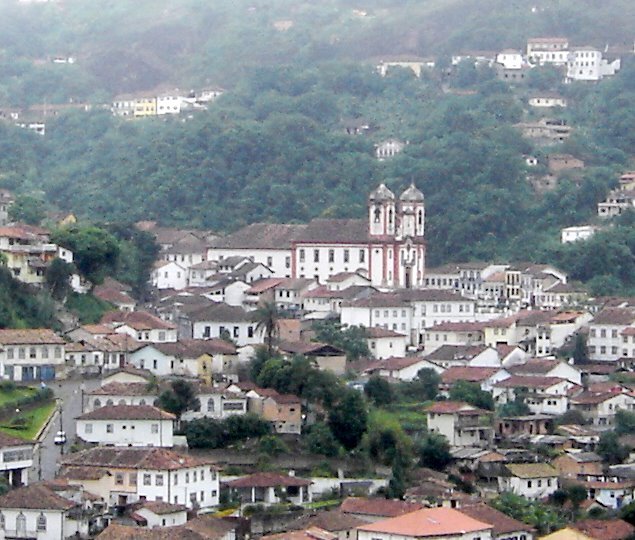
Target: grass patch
column 411, row 416
column 319, row 505
column 10, row 396
column 35, row 419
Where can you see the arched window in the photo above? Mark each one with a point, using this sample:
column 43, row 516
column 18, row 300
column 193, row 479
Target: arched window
column 377, row 214
column 210, row 405
column 420, row 218
column 109, row 403
column 97, row 403
column 390, row 216
column 142, row 402
column 122, row 402
column 20, row 524
column 41, row 522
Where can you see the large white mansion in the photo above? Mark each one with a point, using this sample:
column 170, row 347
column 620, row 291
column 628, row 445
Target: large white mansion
column 388, row 247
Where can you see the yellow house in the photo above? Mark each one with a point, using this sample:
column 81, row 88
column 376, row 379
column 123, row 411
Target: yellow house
column 145, row 106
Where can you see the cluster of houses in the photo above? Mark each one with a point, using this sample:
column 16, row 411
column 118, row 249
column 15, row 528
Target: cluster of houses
column 163, row 102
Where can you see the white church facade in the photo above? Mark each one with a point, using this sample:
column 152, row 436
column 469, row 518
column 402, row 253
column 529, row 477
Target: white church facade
column 389, row 246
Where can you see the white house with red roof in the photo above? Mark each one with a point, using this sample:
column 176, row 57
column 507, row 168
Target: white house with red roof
column 437, row 523
column 400, row 368
column 270, row 488
column 384, row 343
column 465, row 334
column 547, row 367
column 142, row 326
column 169, row 275
column 461, row 424
column 127, row 425
column 485, row 377
column 600, row 408
column 371, row 510
column 543, row 395
column 31, row 355
column 607, row 333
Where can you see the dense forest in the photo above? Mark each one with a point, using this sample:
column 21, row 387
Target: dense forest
column 274, row 148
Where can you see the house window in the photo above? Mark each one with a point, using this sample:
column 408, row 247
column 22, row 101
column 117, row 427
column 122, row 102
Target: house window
column 57, row 352
column 528, row 483
column 346, row 255
column 250, row 331
column 10, row 353
column 132, row 479
column 154, row 428
column 21, row 353
column 147, row 479
column 287, row 262
column 236, row 331
column 316, row 255
column 269, row 262
column 161, row 336
column 210, row 405
column 110, row 428
column 88, row 428
column 362, row 255
column 301, row 255
column 159, row 480
column 20, row 524
column 155, row 364
column 119, row 479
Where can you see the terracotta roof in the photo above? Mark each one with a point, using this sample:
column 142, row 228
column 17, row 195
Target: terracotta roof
column 131, row 458
column 431, row 295
column 194, row 348
column 395, row 363
column 455, row 407
column 630, row 331
column 220, row 312
column 456, row 352
column 30, row 337
column 378, row 333
column 593, row 398
column 83, row 473
column 387, row 508
column 604, row 529
column 122, row 389
column 8, row 440
column 615, row 316
column 199, row 528
column 353, row 231
column 428, row 522
column 97, row 329
column 343, row 276
column 502, row 524
column 518, row 381
column 263, row 285
column 267, row 479
column 139, row 320
column 312, row 533
column 379, row 300
column 532, row 470
column 331, row 520
column 35, row 497
column 127, row 412
column 162, row 507
column 535, row 366
column 467, row 373
column 311, row 348
column 457, row 327
column 113, row 296
column 260, row 236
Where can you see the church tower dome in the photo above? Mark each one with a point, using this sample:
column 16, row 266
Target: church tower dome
column 381, row 194
column 382, row 215
column 412, row 194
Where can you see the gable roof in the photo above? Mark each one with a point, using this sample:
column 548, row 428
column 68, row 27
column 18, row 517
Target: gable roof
column 127, row 412
column 428, row 522
column 330, row 520
column 220, row 312
column 378, row 507
column 194, row 348
column 139, row 320
column 260, row 236
column 330, row 231
column 604, row 529
column 131, row 458
column 455, row 407
column 529, row 381
column 467, row 373
column 267, row 479
column 38, row 336
column 615, row 316
column 532, row 470
column 502, row 524
column 35, row 497
column 123, row 389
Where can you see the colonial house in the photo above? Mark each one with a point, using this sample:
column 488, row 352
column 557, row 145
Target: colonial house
column 382, row 310
column 448, row 356
column 547, row 368
column 400, row 369
column 578, row 464
column 606, row 342
column 531, row 480
column 600, row 408
column 437, row 523
column 548, row 50
column 460, row 334
column 221, row 320
column 142, row 326
column 283, row 411
column 160, row 514
column 547, row 100
column 613, row 494
column 543, row 395
column 460, row 423
column 119, row 393
column 31, row 355
column 523, row 426
column 169, row 275
column 289, row 292
column 37, row 511
column 126, row 475
column 371, row 510
column 127, row 425
column 384, row 343
column 324, row 356
column 485, row 377
column 218, row 403
column 16, row 458
column 270, row 488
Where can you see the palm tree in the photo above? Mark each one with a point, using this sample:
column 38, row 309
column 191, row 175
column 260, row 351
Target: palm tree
column 267, row 319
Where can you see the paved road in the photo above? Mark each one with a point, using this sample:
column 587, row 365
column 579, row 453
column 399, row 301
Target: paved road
column 70, row 399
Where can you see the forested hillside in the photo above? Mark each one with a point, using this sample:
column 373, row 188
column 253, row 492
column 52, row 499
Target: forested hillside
column 122, row 46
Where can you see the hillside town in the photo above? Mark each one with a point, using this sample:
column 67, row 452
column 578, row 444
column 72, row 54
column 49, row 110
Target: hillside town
column 513, row 382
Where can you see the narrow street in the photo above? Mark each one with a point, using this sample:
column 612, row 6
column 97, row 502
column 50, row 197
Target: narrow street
column 46, row 452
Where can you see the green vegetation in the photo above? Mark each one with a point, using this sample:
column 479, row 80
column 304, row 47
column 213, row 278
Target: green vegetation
column 208, row 433
column 11, row 394
column 88, row 308
column 544, row 518
column 27, row 424
column 21, row 306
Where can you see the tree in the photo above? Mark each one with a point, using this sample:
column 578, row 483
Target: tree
column 320, row 440
column 267, row 319
column 379, row 391
column 179, row 398
column 535, row 513
column 272, row 445
column 95, row 250
column 348, row 419
column 351, row 339
column 624, row 422
column 434, row 451
column 399, row 477
column 27, row 209
column 58, row 276
column 577, row 494
column 610, row 448
column 471, row 393
column 580, row 350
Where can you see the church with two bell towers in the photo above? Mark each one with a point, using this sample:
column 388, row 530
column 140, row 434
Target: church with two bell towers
column 388, row 247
